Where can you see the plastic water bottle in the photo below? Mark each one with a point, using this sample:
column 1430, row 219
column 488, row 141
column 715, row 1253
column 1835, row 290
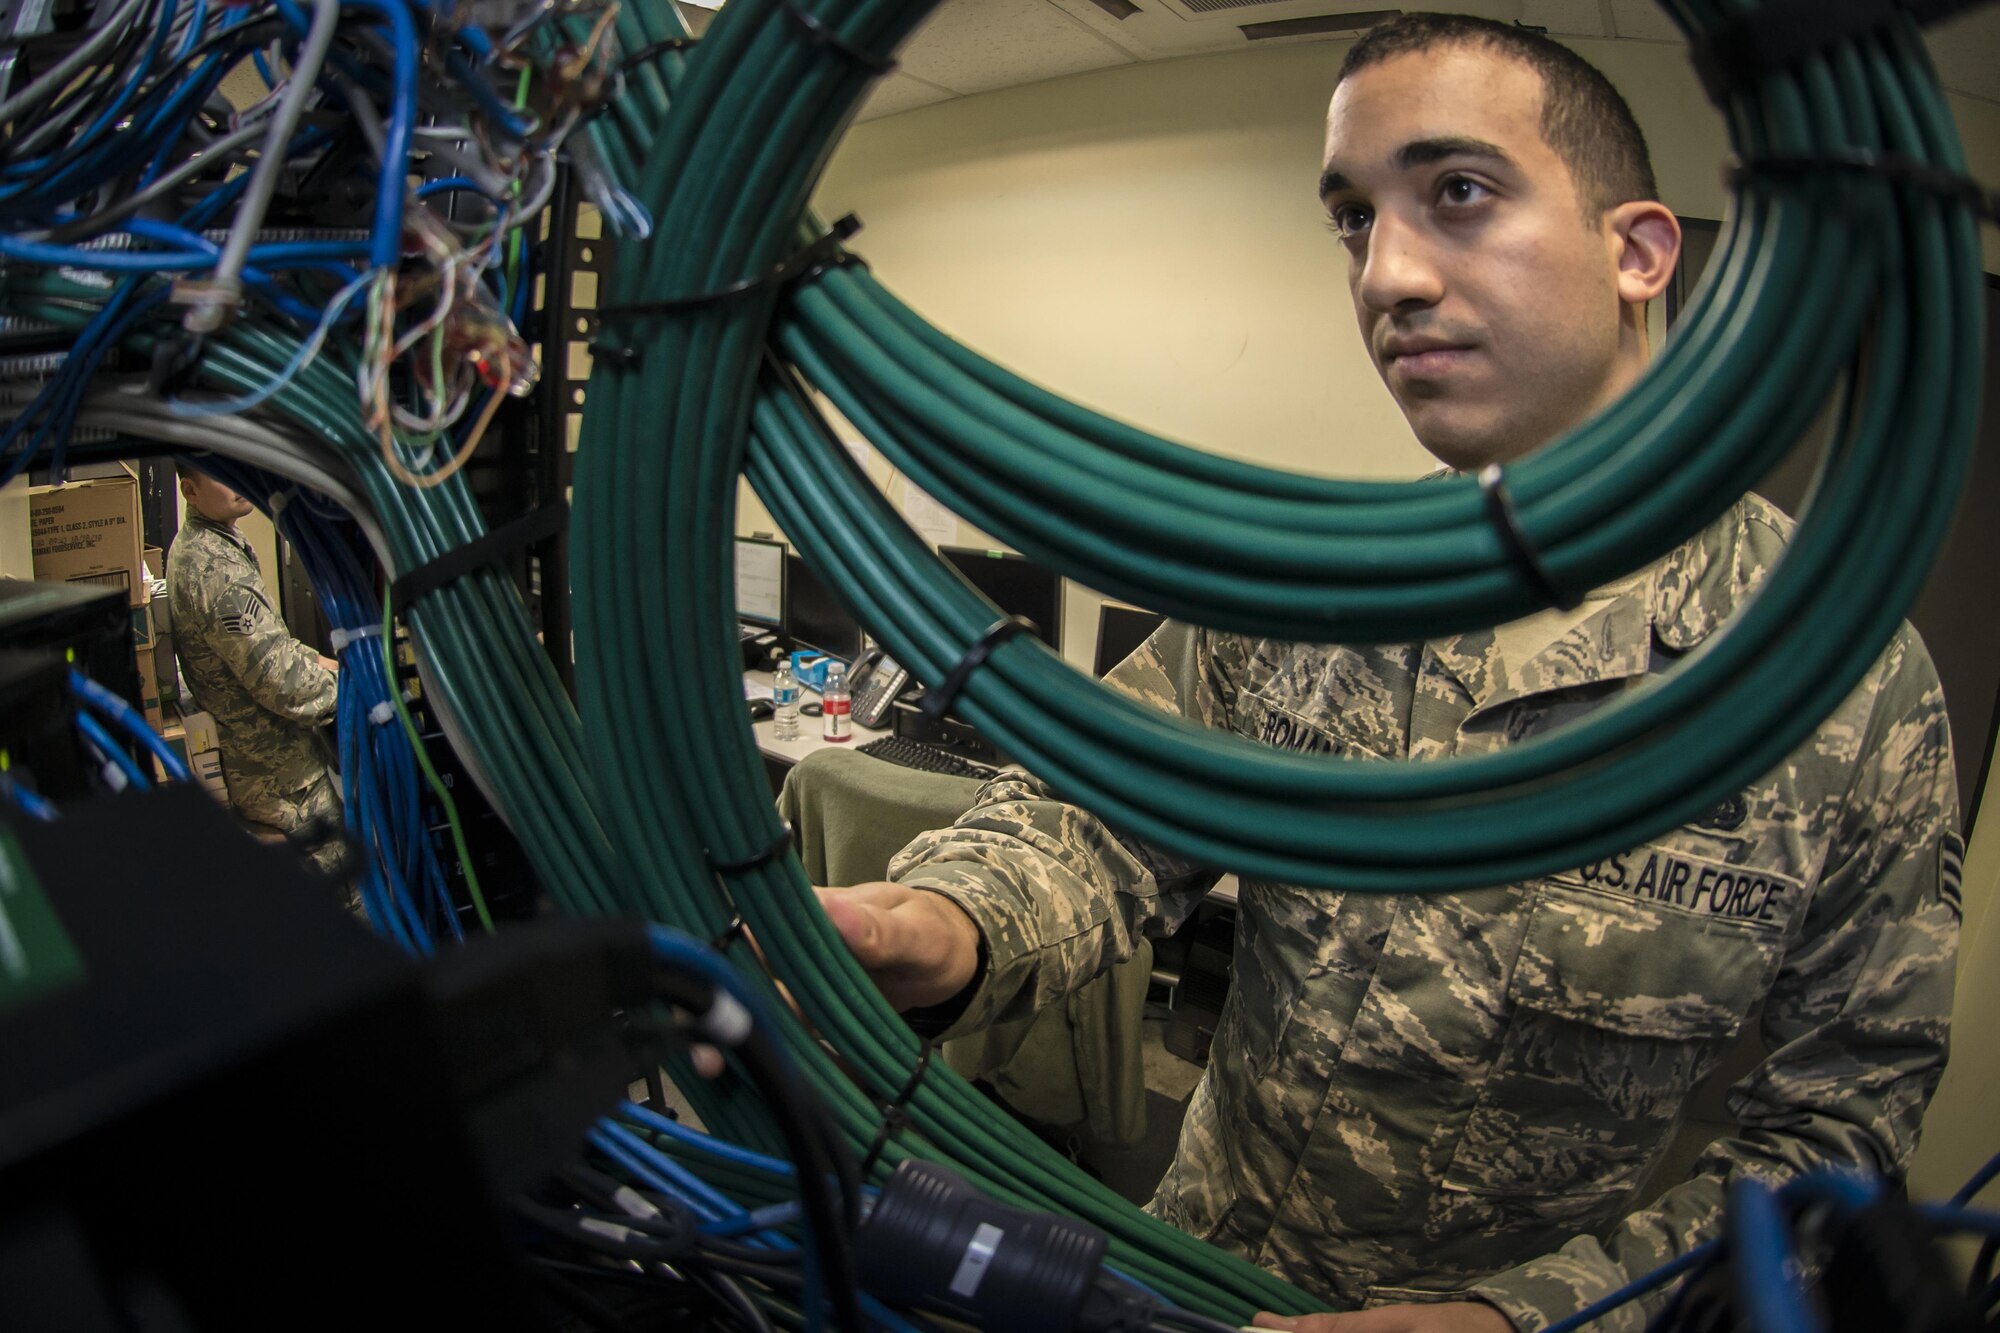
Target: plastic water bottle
column 837, row 708
column 785, row 703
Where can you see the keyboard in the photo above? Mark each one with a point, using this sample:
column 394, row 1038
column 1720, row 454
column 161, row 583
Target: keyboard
column 925, row 758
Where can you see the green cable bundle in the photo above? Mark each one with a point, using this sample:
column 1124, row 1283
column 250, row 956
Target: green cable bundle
column 729, row 140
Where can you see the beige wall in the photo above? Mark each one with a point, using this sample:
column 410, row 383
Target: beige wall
column 1963, row 1127
column 17, row 556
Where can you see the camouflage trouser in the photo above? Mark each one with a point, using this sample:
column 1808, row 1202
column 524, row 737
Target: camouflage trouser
column 318, row 806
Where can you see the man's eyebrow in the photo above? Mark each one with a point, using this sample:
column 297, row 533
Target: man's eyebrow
column 1423, row 153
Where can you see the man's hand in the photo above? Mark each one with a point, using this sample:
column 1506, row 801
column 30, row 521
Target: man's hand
column 1453, row 1317
column 917, row 947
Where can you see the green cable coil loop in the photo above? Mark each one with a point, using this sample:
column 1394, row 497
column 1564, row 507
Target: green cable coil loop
column 729, row 140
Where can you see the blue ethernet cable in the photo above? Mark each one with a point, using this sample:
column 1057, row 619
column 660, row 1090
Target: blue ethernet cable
column 453, row 185
column 789, row 1213
column 1952, row 1217
column 720, row 1149
column 386, row 242
column 383, row 806
column 27, row 800
column 130, row 720
column 1980, row 1180
column 196, row 23
column 1767, row 1281
column 110, row 752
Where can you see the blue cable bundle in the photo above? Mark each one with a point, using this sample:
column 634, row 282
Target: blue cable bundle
column 1754, row 1269
column 118, row 159
column 402, row 881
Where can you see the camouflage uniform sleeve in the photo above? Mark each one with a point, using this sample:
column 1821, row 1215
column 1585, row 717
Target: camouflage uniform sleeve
column 280, row 673
column 1058, row 896
column 1856, row 1021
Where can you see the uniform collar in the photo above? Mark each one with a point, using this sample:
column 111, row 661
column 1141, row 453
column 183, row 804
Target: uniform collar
column 1677, row 601
column 197, row 519
column 1702, row 582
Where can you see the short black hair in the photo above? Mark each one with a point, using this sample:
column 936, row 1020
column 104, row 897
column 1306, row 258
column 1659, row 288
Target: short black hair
column 1584, row 119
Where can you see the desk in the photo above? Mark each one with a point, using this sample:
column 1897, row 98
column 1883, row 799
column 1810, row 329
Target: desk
column 811, row 737
column 781, row 755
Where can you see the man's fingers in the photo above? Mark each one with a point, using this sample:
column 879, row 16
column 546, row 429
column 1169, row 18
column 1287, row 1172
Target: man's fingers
column 919, row 948
column 861, row 929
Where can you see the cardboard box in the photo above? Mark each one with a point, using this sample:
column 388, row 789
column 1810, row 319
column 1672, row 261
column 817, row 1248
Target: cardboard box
column 155, row 561
column 200, row 729
column 88, row 532
column 149, row 691
column 206, row 765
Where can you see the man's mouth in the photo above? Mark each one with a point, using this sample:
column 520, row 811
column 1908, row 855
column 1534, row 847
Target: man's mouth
column 1430, row 364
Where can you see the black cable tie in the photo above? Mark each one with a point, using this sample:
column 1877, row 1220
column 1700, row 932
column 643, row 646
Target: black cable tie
column 652, row 50
column 822, row 35
column 777, row 849
column 893, row 1111
column 1507, row 523
column 729, row 934
column 1895, row 168
column 619, row 358
column 1781, row 34
column 936, row 703
column 811, row 260
column 536, row 526
column 174, row 359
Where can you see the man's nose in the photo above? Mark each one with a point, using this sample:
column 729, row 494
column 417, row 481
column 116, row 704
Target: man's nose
column 1397, row 271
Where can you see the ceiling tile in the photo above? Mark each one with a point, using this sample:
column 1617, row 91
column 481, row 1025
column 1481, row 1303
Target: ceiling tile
column 1163, row 29
column 1565, row 18
column 1643, row 20
column 900, row 92
column 1967, row 52
column 972, row 46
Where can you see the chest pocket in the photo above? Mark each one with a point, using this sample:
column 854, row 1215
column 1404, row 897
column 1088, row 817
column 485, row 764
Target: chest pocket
column 1618, row 1009
column 1284, row 936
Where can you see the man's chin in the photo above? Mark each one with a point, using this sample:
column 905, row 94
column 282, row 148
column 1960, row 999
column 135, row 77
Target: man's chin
column 1463, row 453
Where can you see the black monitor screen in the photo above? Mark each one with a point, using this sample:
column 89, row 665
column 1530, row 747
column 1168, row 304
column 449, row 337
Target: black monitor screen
column 1015, row 584
column 814, row 617
column 1120, row 631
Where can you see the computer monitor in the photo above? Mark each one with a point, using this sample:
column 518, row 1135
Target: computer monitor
column 1120, row 631
column 1015, row 584
column 760, row 581
column 814, row 617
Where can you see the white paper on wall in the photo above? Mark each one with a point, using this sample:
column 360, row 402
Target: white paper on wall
column 935, row 523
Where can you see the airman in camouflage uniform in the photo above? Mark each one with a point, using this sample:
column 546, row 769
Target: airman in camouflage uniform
column 1415, row 1098
column 1444, row 1104
column 270, row 695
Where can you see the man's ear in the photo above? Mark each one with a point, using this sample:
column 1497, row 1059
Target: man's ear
column 1647, row 237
